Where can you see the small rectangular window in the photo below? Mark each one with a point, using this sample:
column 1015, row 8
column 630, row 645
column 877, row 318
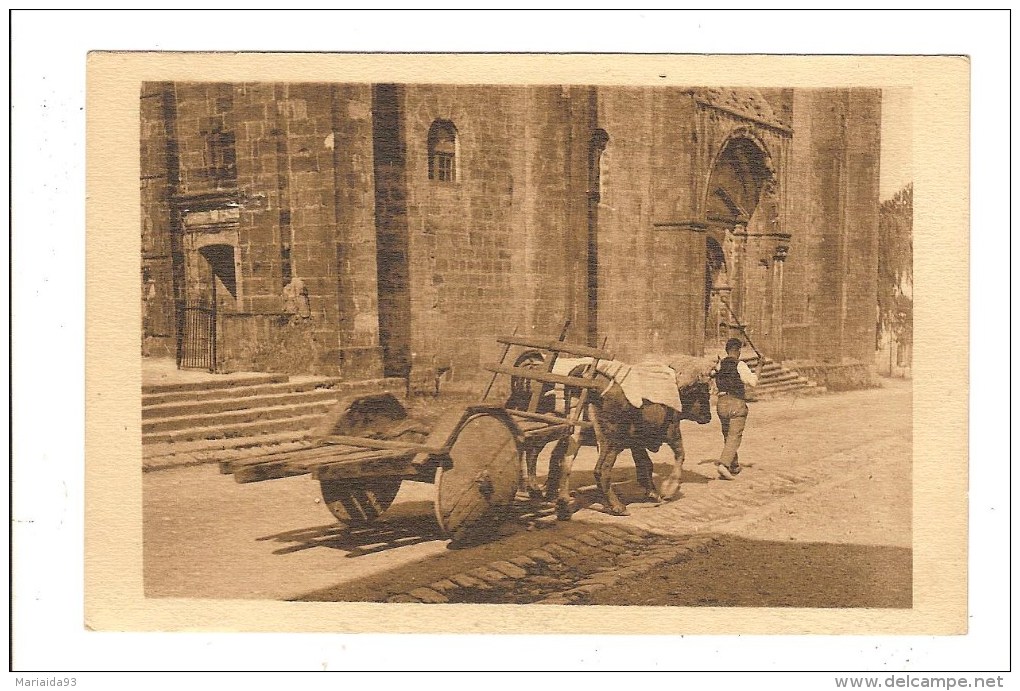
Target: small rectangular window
column 442, row 144
column 444, row 167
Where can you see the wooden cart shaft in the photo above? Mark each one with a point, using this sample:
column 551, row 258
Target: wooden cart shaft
column 556, row 346
column 546, row 377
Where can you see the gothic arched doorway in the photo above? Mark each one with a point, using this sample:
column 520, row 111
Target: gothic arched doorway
column 742, row 212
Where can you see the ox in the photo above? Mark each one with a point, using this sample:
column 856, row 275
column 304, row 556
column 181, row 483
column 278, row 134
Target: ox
column 619, row 425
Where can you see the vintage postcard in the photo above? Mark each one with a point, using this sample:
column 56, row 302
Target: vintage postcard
column 527, row 343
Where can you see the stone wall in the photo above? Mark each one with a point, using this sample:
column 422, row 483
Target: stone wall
column 274, row 343
column 158, row 329
column 354, row 236
column 277, row 180
column 837, row 376
column 502, row 244
column 510, row 241
column 392, row 243
column 568, row 202
column 829, row 296
column 650, row 281
column 860, row 288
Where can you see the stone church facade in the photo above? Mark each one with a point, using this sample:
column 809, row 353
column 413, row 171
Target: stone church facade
column 364, row 230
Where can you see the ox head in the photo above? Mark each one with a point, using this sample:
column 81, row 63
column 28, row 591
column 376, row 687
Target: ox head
column 696, row 403
column 693, row 375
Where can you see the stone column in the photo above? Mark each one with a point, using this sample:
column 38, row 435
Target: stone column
column 778, row 261
column 720, row 315
column 738, row 301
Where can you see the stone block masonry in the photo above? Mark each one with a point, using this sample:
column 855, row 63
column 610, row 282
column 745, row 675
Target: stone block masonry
column 157, row 165
column 830, row 289
column 364, row 230
column 276, row 222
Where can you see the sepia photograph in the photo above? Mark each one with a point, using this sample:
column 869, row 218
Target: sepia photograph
column 475, row 341
column 539, row 344
column 542, row 360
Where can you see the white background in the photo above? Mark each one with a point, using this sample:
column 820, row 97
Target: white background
column 48, row 83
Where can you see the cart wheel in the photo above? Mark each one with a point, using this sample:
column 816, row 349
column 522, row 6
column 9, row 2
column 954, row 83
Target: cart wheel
column 356, row 502
column 482, row 479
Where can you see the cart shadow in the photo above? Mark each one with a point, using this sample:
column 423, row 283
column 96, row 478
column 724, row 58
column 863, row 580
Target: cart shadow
column 410, row 527
column 625, row 479
column 715, row 461
column 539, row 514
column 664, row 469
column 413, row 523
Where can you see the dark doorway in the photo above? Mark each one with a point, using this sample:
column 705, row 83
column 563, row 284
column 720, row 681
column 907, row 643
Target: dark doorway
column 196, row 343
column 221, row 264
column 197, row 324
column 736, row 182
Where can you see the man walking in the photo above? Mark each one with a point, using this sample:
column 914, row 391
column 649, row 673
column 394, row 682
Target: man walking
column 732, row 375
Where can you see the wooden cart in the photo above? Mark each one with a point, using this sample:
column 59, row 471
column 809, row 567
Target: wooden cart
column 367, row 446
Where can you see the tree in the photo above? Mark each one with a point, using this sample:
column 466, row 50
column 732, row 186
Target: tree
column 896, row 265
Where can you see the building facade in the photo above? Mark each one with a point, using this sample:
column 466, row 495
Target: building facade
column 364, row 230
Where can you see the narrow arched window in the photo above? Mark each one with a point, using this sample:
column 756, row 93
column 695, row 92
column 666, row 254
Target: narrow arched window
column 443, row 151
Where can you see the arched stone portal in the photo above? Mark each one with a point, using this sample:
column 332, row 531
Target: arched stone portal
column 742, row 211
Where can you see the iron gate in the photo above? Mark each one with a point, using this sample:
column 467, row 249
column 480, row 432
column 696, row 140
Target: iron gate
column 196, row 337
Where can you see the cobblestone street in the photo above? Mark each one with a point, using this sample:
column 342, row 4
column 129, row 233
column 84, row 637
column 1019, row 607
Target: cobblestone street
column 802, row 456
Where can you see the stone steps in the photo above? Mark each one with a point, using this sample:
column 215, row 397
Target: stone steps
column 779, row 378
column 224, row 448
column 231, row 413
column 776, row 381
column 163, row 411
column 294, row 385
column 298, row 424
column 804, row 387
column 230, row 418
column 793, row 382
column 226, row 382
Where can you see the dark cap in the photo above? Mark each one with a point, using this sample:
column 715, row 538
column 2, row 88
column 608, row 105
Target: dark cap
column 734, row 343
